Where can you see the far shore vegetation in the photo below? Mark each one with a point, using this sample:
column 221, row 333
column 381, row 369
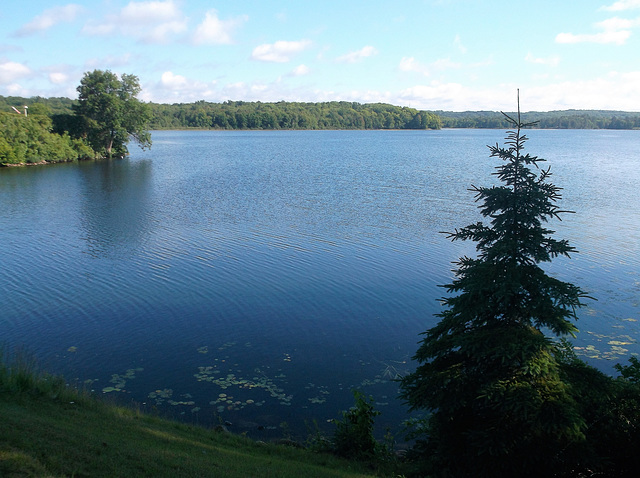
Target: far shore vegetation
column 61, row 129
column 332, row 115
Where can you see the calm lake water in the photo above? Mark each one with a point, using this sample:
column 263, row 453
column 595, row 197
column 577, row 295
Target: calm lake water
column 257, row 277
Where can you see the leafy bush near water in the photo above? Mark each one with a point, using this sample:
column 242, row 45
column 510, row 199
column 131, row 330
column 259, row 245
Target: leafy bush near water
column 354, row 433
column 29, row 139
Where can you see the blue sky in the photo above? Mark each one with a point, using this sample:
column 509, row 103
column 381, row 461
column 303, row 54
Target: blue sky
column 428, row 54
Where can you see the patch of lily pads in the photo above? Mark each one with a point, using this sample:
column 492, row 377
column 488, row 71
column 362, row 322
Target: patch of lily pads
column 120, row 380
column 228, row 402
column 322, row 392
column 616, row 345
column 258, row 382
column 237, row 390
column 227, row 345
column 160, row 396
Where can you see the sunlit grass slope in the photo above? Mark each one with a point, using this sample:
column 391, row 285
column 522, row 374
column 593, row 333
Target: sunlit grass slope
column 47, row 430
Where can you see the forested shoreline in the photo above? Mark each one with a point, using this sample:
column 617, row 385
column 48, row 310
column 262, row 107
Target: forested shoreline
column 56, row 133
column 286, row 115
column 565, row 119
column 332, row 115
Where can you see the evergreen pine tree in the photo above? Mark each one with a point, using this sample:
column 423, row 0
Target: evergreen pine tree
column 487, row 373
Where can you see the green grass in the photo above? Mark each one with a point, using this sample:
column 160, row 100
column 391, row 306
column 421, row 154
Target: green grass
column 49, row 430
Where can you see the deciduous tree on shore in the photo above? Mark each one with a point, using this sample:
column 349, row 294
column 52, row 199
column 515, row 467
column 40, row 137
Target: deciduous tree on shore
column 113, row 112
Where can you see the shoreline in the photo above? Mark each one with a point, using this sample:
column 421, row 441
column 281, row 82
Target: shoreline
column 19, row 165
column 45, row 162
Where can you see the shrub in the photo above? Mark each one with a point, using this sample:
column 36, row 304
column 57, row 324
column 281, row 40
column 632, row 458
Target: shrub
column 353, row 437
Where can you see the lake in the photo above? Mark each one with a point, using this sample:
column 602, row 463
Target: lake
column 258, row 277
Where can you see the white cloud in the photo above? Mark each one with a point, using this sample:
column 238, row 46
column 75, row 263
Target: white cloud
column 280, row 51
column 214, row 31
column 171, row 81
column 617, row 24
column 447, row 96
column 58, row 78
column 149, row 11
column 253, row 92
column 149, row 22
column 445, row 64
column 301, row 70
column 608, row 92
column 172, row 88
column 11, row 71
column 160, row 33
column 15, row 89
column 617, row 37
column 622, row 5
column 549, row 61
column 613, row 91
column 50, row 18
column 355, row 56
column 411, row 64
column 614, row 30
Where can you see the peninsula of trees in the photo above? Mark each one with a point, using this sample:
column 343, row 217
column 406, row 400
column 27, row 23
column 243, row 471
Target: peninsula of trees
column 105, row 118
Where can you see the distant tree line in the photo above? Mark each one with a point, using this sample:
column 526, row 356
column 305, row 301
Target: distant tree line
column 50, row 106
column 567, row 119
column 254, row 115
column 327, row 115
column 287, row 115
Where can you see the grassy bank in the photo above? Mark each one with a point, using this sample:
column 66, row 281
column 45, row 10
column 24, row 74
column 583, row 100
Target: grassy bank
column 49, row 430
